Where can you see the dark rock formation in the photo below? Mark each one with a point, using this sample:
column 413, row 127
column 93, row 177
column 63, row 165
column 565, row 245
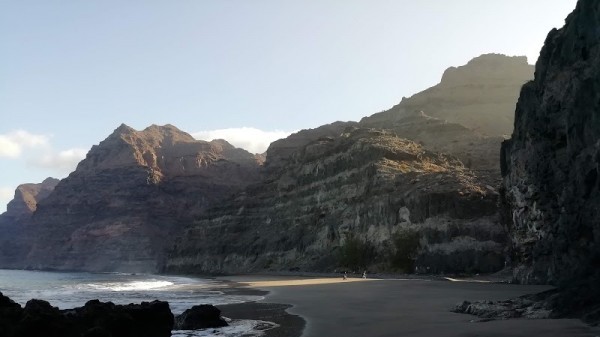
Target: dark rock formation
column 200, row 317
column 550, row 166
column 551, row 163
column 366, row 184
column 529, row 306
column 132, row 191
column 39, row 318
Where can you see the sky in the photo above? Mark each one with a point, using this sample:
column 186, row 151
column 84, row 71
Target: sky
column 249, row 71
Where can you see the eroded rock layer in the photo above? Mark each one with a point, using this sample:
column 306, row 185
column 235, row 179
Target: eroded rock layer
column 365, row 184
column 551, row 163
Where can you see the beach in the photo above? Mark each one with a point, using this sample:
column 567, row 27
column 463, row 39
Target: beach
column 330, row 306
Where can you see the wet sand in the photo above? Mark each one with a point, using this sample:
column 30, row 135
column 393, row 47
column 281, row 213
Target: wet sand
column 398, row 307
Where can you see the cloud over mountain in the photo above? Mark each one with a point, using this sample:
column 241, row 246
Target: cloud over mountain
column 13, row 143
column 250, row 139
column 62, row 162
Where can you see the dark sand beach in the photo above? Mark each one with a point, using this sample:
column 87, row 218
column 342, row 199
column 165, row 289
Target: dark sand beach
column 389, row 307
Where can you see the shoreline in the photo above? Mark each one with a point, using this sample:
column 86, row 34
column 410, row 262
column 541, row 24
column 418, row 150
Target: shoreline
column 321, row 304
column 415, row 307
column 288, row 325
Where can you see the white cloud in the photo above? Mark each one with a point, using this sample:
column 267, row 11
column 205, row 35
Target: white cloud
column 6, row 195
column 63, row 162
column 13, row 143
column 250, row 139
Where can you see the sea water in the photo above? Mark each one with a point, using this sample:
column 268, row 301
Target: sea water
column 74, row 289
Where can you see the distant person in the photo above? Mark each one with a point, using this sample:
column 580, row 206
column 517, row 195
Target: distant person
column 345, row 276
column 364, row 274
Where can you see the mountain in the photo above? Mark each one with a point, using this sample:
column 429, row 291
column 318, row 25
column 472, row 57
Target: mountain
column 132, row 191
column 413, row 172
column 411, row 188
column 550, row 166
column 480, row 95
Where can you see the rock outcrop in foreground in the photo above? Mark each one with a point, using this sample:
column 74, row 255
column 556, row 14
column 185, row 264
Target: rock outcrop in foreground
column 130, row 196
column 551, row 163
column 94, row 319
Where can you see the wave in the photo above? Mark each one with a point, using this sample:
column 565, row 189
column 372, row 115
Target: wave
column 127, row 286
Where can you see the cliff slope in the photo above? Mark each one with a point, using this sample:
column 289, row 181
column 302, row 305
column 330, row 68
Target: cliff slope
column 480, row 95
column 362, row 187
column 551, row 164
column 132, row 191
column 466, row 115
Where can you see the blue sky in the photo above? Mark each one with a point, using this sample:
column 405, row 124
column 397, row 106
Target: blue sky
column 247, row 70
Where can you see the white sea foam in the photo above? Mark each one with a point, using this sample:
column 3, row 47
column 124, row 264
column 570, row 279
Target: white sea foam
column 127, row 286
column 236, row 328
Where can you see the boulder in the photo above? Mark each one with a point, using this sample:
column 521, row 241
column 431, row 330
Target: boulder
column 200, row 317
column 94, row 319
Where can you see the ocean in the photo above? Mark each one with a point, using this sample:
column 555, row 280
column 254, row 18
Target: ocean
column 74, row 289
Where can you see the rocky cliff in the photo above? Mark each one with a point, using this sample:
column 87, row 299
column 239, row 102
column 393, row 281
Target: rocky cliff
column 551, row 164
column 132, row 191
column 364, row 186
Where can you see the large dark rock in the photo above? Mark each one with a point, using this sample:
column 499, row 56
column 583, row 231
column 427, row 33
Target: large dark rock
column 148, row 319
column 10, row 312
column 200, row 317
column 41, row 319
column 95, row 319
